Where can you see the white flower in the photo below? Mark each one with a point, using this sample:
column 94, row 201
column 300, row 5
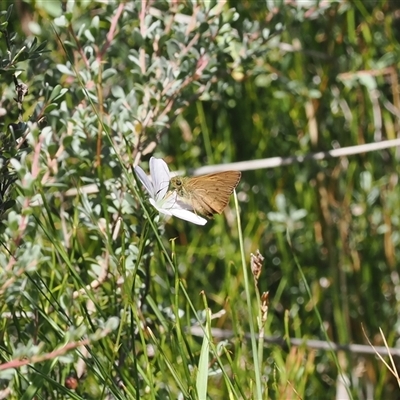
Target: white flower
column 163, row 201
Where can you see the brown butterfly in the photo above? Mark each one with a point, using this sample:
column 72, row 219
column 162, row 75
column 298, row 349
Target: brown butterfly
column 207, row 194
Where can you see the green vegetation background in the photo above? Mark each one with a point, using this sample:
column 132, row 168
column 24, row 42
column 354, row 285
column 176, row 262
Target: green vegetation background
column 99, row 296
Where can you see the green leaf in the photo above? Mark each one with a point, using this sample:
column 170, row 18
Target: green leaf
column 65, row 70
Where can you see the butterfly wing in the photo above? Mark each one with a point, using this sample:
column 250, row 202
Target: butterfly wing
column 211, row 192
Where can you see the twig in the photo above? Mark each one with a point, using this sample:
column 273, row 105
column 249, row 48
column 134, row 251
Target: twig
column 261, row 164
column 281, row 161
column 312, row 344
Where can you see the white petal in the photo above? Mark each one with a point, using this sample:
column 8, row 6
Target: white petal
column 160, row 208
column 170, row 201
column 188, row 216
column 165, row 203
column 181, row 204
column 160, row 176
column 181, row 210
column 145, row 180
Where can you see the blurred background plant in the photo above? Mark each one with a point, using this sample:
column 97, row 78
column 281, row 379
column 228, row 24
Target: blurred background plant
column 99, row 295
